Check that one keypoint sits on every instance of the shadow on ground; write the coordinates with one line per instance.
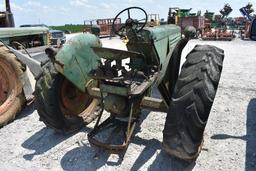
(86, 157)
(250, 137)
(44, 140)
(93, 158)
(162, 162)
(83, 158)
(26, 111)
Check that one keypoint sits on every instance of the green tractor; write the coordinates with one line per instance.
(85, 79)
(17, 38)
(15, 86)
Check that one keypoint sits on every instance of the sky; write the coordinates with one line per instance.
(60, 12)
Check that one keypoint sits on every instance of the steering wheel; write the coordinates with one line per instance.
(130, 23)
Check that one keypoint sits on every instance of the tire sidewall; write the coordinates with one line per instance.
(18, 99)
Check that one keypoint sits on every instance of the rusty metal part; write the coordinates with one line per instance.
(131, 82)
(115, 54)
(51, 53)
(126, 127)
(36, 43)
(73, 101)
(115, 104)
(151, 103)
(8, 86)
(21, 47)
(122, 91)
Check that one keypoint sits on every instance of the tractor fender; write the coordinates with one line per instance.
(76, 59)
(31, 68)
(172, 71)
(174, 64)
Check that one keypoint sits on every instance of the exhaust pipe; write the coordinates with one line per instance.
(9, 15)
(7, 6)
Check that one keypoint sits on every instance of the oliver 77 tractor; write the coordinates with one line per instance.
(84, 79)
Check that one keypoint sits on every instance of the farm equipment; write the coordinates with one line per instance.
(153, 20)
(216, 25)
(28, 37)
(17, 37)
(172, 17)
(6, 17)
(15, 87)
(249, 31)
(240, 23)
(91, 27)
(85, 79)
(102, 27)
(185, 19)
(56, 37)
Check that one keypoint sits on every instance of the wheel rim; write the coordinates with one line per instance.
(8, 86)
(73, 101)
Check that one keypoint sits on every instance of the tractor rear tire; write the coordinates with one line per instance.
(60, 105)
(192, 100)
(11, 85)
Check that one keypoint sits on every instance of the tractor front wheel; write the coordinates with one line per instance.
(192, 100)
(60, 104)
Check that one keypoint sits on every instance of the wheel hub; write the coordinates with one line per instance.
(73, 101)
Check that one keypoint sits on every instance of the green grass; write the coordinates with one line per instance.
(72, 28)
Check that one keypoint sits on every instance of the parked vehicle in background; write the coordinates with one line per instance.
(57, 35)
(27, 37)
(54, 35)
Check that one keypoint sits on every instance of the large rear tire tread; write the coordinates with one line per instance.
(192, 100)
(47, 103)
(19, 100)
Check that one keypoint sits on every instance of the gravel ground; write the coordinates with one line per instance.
(230, 136)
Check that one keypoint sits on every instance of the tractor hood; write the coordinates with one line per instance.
(24, 31)
(162, 32)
